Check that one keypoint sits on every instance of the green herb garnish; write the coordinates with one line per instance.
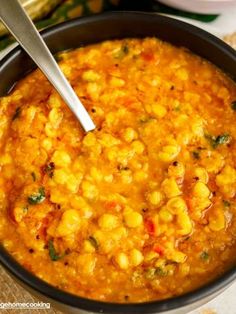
(177, 108)
(204, 256)
(17, 113)
(52, 252)
(161, 272)
(94, 242)
(215, 141)
(150, 273)
(153, 272)
(38, 197)
(226, 203)
(233, 105)
(124, 50)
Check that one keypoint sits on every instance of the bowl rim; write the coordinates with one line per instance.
(36, 284)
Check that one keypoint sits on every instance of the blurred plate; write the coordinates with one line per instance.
(201, 6)
(36, 10)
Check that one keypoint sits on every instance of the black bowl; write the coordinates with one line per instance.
(89, 30)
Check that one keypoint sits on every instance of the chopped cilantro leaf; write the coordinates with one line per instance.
(38, 197)
(226, 203)
(204, 256)
(215, 141)
(52, 252)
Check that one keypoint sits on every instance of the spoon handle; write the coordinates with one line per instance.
(22, 28)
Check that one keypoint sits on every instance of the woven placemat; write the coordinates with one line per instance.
(231, 40)
(10, 291)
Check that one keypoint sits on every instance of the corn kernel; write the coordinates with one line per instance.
(30, 113)
(170, 188)
(55, 117)
(130, 135)
(93, 90)
(108, 221)
(176, 170)
(69, 223)
(8, 171)
(213, 161)
(176, 205)
(89, 190)
(88, 247)
(90, 76)
(47, 144)
(184, 270)
(133, 219)
(112, 154)
(60, 176)
(182, 74)
(138, 147)
(122, 261)
(117, 82)
(217, 220)
(155, 197)
(50, 130)
(197, 128)
(89, 140)
(57, 197)
(177, 257)
(107, 140)
(185, 223)
(55, 100)
(5, 159)
(136, 257)
(201, 190)
(165, 215)
(19, 213)
(201, 174)
(61, 158)
(228, 190)
(126, 177)
(169, 153)
(140, 175)
(96, 174)
(159, 110)
(227, 176)
(73, 182)
(150, 256)
(86, 263)
(108, 178)
(78, 202)
(198, 206)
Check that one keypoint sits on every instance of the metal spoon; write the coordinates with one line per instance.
(22, 28)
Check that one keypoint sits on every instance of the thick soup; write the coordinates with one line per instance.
(144, 207)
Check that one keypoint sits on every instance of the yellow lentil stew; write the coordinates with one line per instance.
(141, 209)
